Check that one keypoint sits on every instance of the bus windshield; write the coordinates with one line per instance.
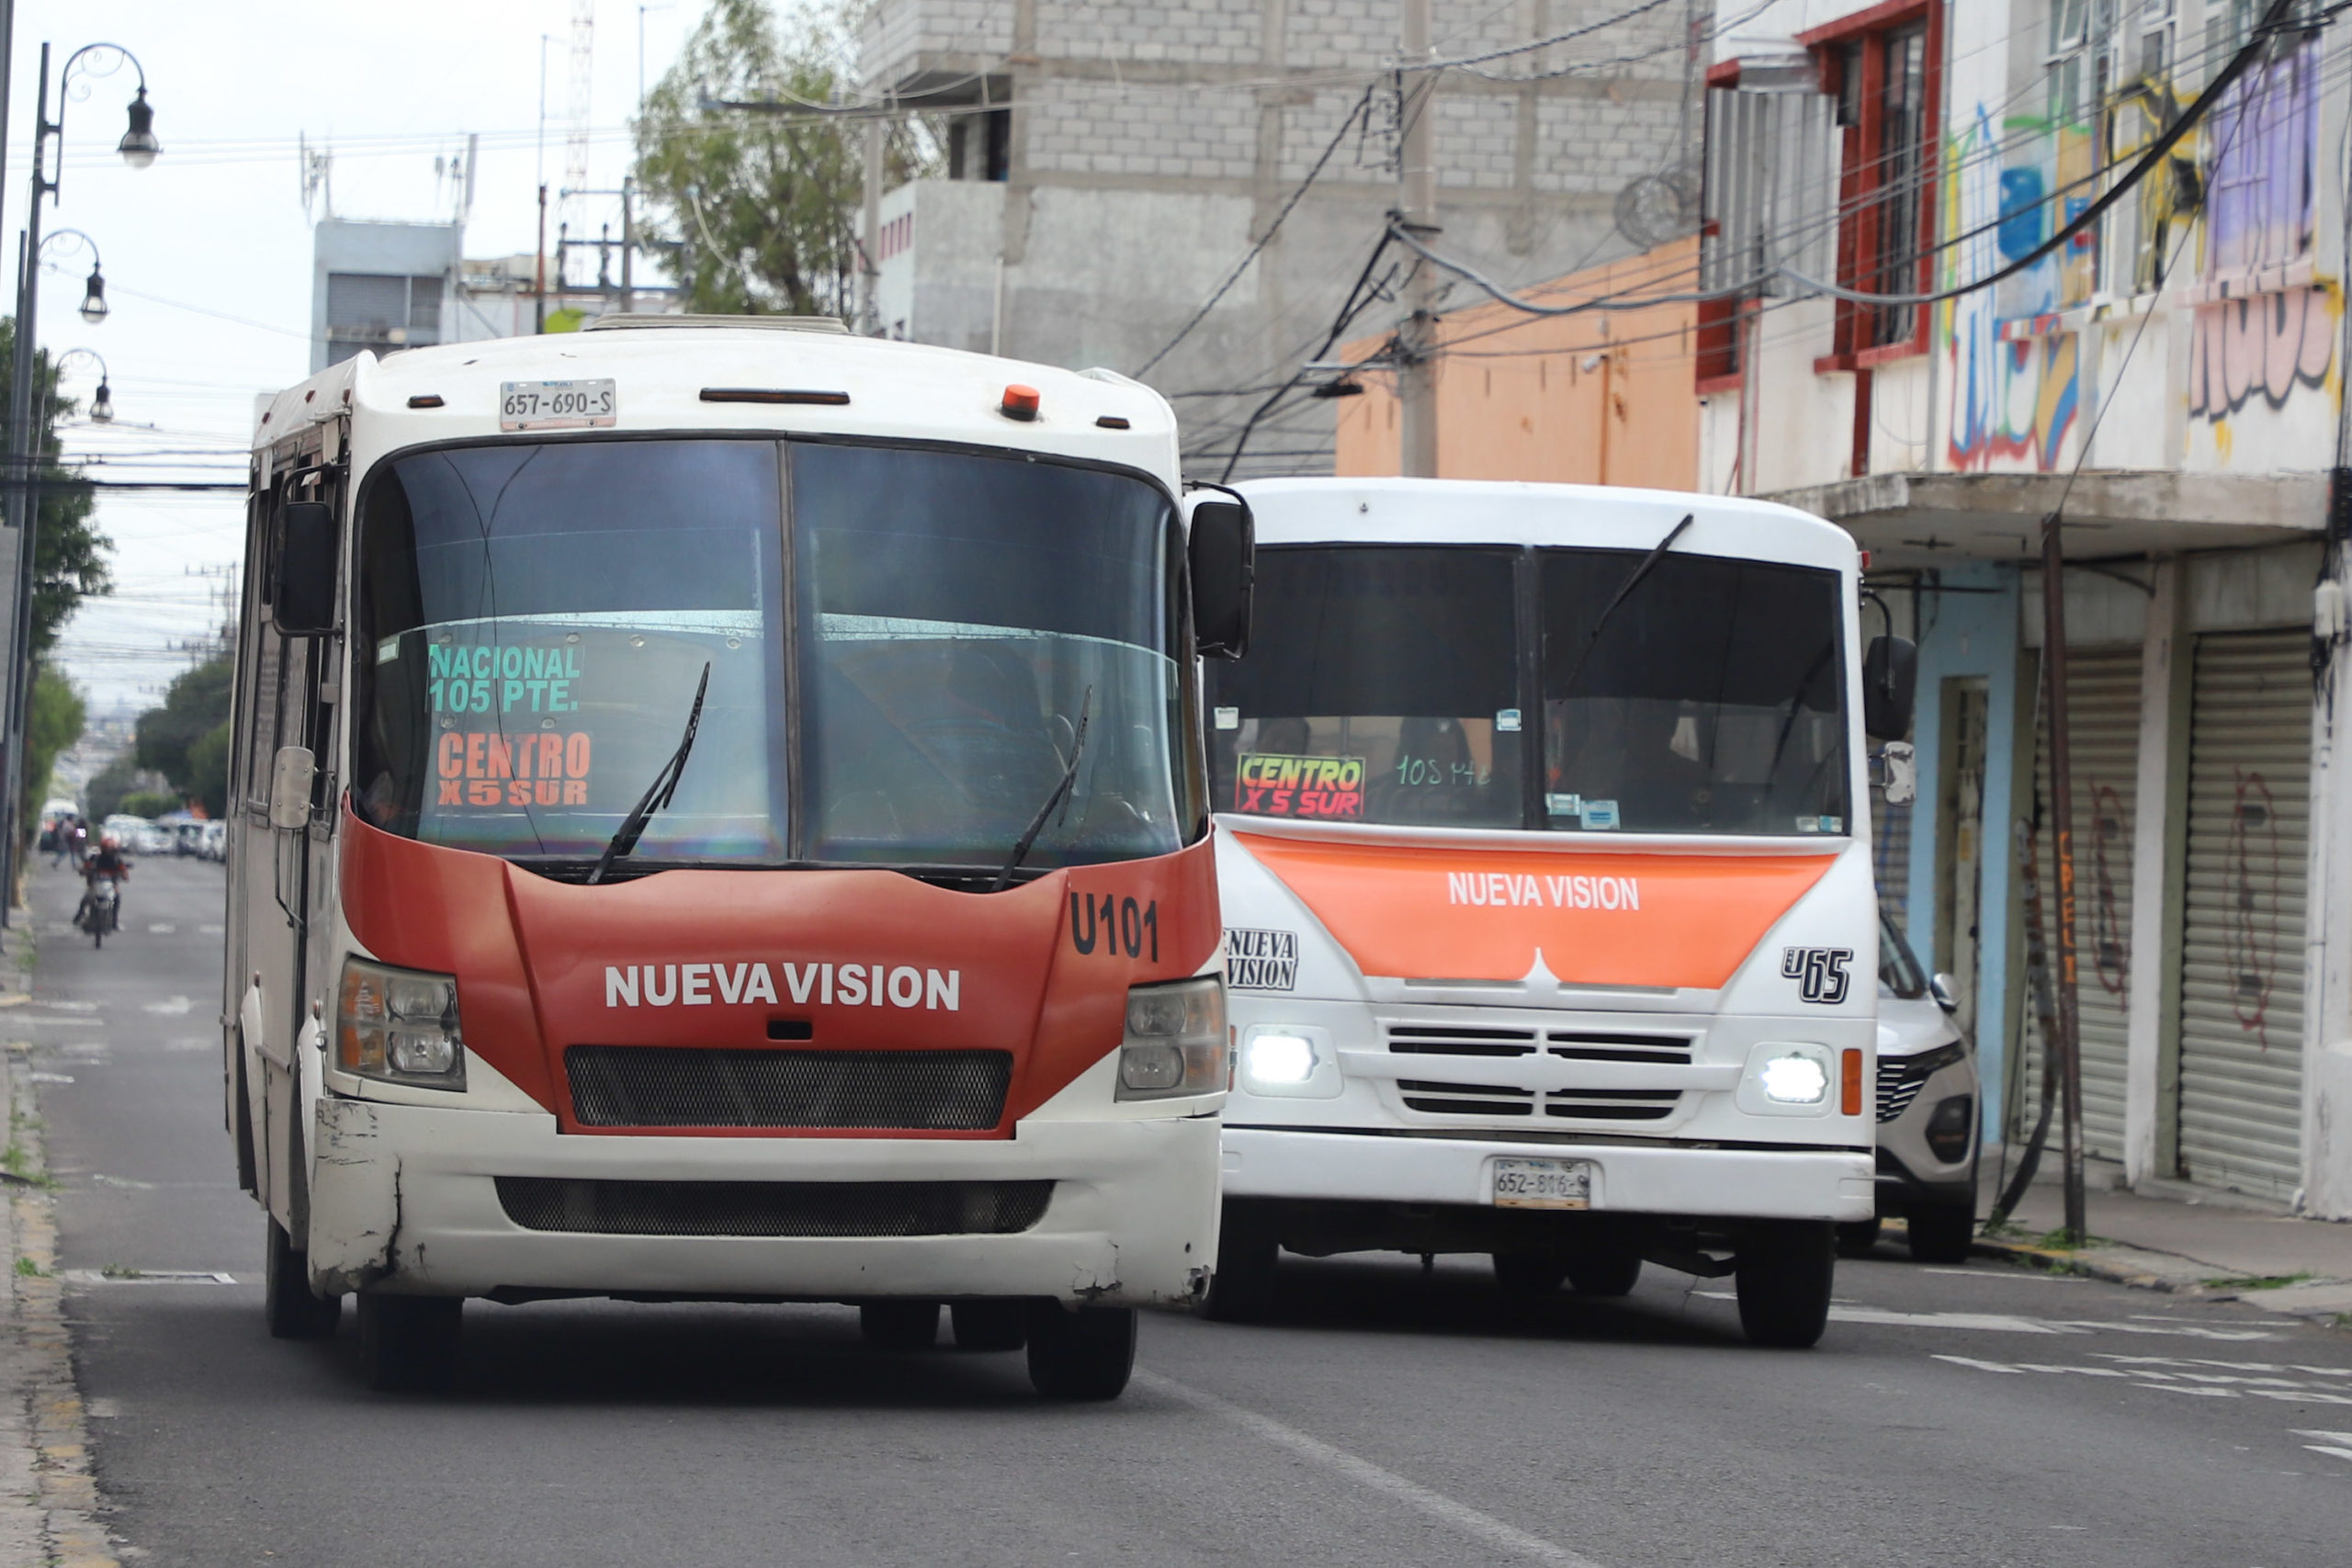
(1379, 688)
(902, 645)
(1395, 684)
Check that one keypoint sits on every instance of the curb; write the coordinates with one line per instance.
(2114, 1270)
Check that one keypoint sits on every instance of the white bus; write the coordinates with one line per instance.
(719, 812)
(1550, 924)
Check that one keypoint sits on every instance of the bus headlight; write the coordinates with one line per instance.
(1792, 1078)
(400, 1026)
(1175, 1042)
(1795, 1080)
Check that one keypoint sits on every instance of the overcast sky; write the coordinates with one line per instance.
(207, 252)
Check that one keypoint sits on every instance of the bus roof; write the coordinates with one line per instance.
(1489, 511)
(664, 368)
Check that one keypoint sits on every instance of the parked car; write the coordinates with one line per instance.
(1929, 1102)
(215, 842)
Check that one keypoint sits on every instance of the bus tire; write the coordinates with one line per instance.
(293, 1312)
(895, 1324)
(1785, 1276)
(1530, 1276)
(990, 1326)
(1942, 1233)
(1611, 1270)
(1083, 1354)
(409, 1343)
(1247, 1254)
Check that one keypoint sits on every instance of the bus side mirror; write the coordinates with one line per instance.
(1224, 569)
(303, 604)
(1890, 679)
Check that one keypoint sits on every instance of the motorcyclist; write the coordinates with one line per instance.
(110, 863)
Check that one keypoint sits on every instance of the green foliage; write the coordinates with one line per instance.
(763, 208)
(102, 796)
(53, 722)
(207, 766)
(150, 804)
(69, 555)
(195, 707)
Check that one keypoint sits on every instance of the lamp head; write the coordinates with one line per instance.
(93, 302)
(102, 406)
(139, 145)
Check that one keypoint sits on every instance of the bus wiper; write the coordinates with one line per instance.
(1059, 798)
(1633, 580)
(665, 785)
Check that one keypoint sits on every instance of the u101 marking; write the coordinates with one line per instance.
(1116, 925)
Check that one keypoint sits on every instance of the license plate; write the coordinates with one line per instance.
(1543, 1183)
(557, 405)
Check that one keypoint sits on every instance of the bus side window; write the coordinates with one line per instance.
(263, 665)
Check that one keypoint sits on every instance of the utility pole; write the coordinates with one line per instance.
(628, 244)
(1417, 204)
(869, 262)
(2061, 841)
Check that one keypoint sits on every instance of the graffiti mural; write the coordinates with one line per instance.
(2110, 856)
(2268, 347)
(2262, 158)
(2014, 392)
(2252, 928)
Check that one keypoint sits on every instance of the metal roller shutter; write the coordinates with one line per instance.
(2241, 965)
(2103, 714)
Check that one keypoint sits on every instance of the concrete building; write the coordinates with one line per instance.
(2170, 380)
(380, 287)
(1110, 164)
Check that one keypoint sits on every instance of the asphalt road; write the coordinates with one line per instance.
(1951, 1416)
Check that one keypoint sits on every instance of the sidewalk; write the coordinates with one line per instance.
(2216, 1246)
(48, 1500)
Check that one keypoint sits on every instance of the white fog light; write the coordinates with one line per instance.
(1280, 1058)
(1795, 1081)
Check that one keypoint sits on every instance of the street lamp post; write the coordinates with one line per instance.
(139, 148)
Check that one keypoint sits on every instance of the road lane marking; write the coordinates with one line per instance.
(2012, 1323)
(2173, 1378)
(163, 928)
(170, 1007)
(50, 1078)
(146, 1277)
(1470, 1521)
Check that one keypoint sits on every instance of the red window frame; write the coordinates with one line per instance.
(1864, 37)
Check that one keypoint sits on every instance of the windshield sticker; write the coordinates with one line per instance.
(387, 651)
(1261, 960)
(1273, 784)
(1228, 718)
(1601, 813)
(1564, 805)
(1833, 824)
(484, 769)
(504, 678)
(1506, 720)
(1808, 824)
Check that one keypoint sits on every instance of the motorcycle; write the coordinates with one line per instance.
(103, 910)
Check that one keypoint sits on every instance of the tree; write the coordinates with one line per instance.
(53, 722)
(69, 556)
(196, 708)
(102, 796)
(762, 208)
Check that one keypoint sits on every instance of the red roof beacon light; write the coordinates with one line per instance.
(1020, 402)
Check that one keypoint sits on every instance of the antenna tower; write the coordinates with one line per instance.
(583, 81)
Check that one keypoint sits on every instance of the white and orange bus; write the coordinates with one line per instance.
(1545, 852)
(720, 814)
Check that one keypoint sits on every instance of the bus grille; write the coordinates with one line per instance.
(773, 1208)
(654, 1086)
(1437, 1097)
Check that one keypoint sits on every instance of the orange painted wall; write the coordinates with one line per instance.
(1601, 397)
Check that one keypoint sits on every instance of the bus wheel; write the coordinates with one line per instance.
(1612, 1269)
(292, 1311)
(409, 1342)
(1085, 1354)
(1857, 1237)
(1247, 1252)
(899, 1324)
(1530, 1276)
(990, 1326)
(1784, 1275)
(1942, 1233)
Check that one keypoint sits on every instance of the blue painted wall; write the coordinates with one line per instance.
(1973, 634)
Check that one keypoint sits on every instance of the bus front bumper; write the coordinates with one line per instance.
(406, 1200)
(1741, 1183)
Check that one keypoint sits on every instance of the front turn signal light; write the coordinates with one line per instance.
(1849, 1083)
